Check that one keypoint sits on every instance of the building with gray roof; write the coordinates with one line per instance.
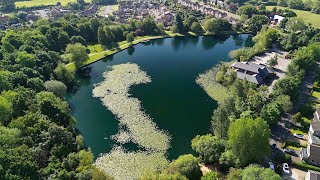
(255, 73)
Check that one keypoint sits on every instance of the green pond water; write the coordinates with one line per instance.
(173, 99)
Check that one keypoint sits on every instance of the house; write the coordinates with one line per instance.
(311, 154)
(316, 115)
(255, 73)
(4, 18)
(277, 19)
(312, 175)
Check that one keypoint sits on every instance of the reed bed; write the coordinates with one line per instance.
(138, 127)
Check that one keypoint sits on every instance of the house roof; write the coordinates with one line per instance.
(314, 175)
(315, 125)
(252, 78)
(314, 153)
(248, 66)
(258, 72)
(279, 18)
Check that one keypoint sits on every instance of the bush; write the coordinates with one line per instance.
(305, 166)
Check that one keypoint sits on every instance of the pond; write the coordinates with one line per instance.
(173, 100)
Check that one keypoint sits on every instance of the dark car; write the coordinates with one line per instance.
(289, 151)
(274, 147)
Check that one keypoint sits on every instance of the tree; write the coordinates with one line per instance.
(25, 59)
(208, 147)
(64, 74)
(9, 137)
(17, 163)
(221, 117)
(284, 102)
(77, 53)
(228, 160)
(295, 24)
(211, 25)
(297, 117)
(57, 87)
(7, 5)
(212, 175)
(273, 61)
(247, 10)
(5, 110)
(295, 4)
(256, 22)
(175, 29)
(234, 174)
(249, 139)
(196, 27)
(271, 113)
(162, 176)
(97, 174)
(179, 23)
(257, 172)
(102, 38)
(110, 36)
(4, 81)
(282, 3)
(186, 165)
(130, 38)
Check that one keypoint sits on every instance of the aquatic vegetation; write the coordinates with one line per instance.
(209, 84)
(136, 125)
(130, 165)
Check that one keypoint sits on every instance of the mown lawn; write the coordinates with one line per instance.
(43, 2)
(307, 16)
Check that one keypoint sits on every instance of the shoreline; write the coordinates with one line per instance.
(115, 50)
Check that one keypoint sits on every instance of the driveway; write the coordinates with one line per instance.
(279, 69)
(295, 174)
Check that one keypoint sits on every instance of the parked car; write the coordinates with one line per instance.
(299, 136)
(289, 151)
(274, 147)
(285, 168)
(271, 165)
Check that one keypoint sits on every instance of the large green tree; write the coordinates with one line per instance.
(186, 165)
(249, 139)
(77, 53)
(208, 147)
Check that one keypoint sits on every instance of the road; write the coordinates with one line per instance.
(295, 174)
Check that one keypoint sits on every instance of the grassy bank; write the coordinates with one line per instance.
(307, 16)
(208, 82)
(33, 3)
(98, 53)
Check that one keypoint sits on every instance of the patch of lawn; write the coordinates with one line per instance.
(95, 48)
(115, 7)
(316, 94)
(297, 131)
(307, 16)
(32, 3)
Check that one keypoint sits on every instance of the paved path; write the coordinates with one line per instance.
(295, 174)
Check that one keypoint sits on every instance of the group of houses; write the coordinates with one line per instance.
(142, 8)
(207, 10)
(311, 154)
(230, 7)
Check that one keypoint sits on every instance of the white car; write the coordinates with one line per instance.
(285, 168)
(299, 136)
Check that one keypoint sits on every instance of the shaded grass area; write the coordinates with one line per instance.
(307, 16)
(32, 3)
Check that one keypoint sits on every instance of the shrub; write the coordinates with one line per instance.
(305, 166)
